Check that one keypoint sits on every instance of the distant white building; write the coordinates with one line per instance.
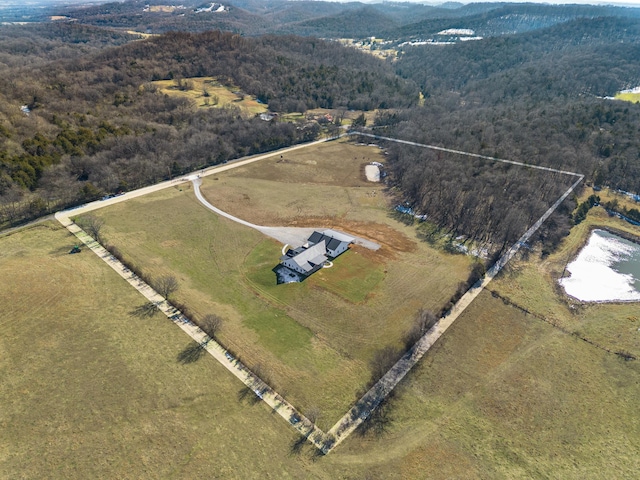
(213, 7)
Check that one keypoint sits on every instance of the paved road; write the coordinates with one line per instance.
(26, 225)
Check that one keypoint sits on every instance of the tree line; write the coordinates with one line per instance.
(535, 98)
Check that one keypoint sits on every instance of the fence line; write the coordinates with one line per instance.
(363, 408)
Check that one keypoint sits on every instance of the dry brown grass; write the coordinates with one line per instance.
(162, 8)
(608, 195)
(321, 186)
(533, 285)
(89, 391)
(315, 338)
(504, 395)
(220, 95)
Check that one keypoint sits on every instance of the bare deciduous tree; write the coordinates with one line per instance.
(166, 285)
(382, 361)
(424, 320)
(313, 414)
(146, 310)
(92, 225)
(211, 324)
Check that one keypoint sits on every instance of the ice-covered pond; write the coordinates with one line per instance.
(607, 269)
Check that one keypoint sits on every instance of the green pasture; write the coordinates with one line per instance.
(314, 343)
(628, 97)
(352, 277)
(90, 390)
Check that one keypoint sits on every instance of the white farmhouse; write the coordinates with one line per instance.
(320, 247)
(305, 260)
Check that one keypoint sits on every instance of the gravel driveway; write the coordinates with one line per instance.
(293, 236)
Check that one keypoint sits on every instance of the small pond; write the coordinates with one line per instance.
(607, 269)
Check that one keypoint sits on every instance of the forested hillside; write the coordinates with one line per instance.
(95, 124)
(289, 73)
(534, 97)
(584, 56)
(392, 21)
(362, 22)
(532, 91)
(505, 19)
(41, 43)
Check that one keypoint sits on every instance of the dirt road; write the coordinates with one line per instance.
(88, 207)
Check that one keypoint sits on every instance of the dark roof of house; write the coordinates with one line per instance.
(338, 236)
(311, 257)
(332, 238)
(315, 237)
(333, 244)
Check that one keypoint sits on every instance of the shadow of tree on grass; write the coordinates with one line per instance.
(146, 310)
(298, 443)
(192, 353)
(247, 394)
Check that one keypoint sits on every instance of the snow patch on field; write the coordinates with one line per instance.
(631, 90)
(456, 31)
(372, 172)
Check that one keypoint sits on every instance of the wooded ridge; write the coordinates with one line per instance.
(95, 123)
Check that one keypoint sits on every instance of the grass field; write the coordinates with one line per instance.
(608, 195)
(507, 396)
(219, 95)
(628, 97)
(90, 391)
(314, 340)
(533, 285)
(321, 184)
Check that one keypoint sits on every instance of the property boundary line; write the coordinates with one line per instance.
(381, 389)
(260, 388)
(363, 408)
(467, 154)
